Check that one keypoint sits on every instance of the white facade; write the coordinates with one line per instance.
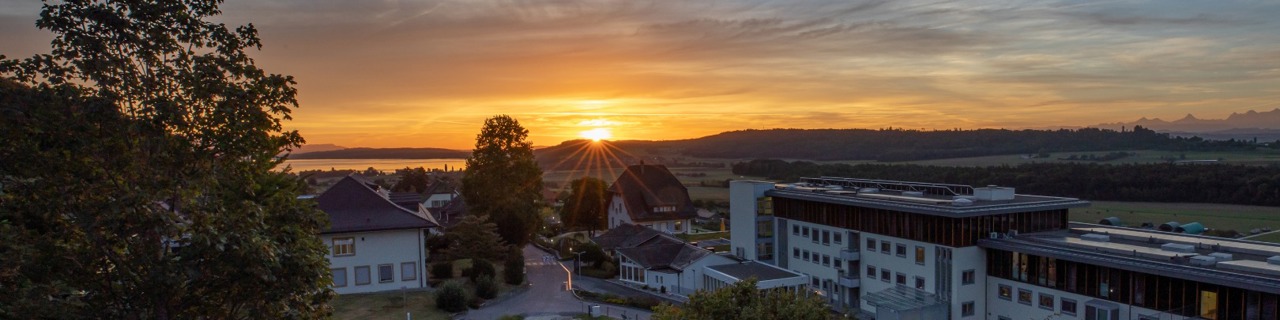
(362, 267)
(438, 200)
(683, 282)
(618, 215)
(742, 213)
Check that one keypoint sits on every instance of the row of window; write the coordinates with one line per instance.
(815, 258)
(826, 237)
(967, 277)
(1045, 301)
(885, 245)
(386, 273)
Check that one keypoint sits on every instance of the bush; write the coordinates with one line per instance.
(451, 297)
(591, 253)
(442, 270)
(475, 302)
(513, 267)
(480, 267)
(486, 287)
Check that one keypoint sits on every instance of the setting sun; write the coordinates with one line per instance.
(597, 134)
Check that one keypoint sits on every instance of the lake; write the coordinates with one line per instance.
(387, 165)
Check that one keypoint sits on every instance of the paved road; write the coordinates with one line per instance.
(546, 297)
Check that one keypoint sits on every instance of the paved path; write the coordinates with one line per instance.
(546, 297)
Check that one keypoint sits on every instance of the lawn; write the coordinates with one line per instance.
(1215, 216)
(388, 305)
(1270, 237)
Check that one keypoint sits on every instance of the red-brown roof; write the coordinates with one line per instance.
(644, 187)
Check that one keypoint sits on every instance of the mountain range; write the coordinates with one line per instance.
(1251, 121)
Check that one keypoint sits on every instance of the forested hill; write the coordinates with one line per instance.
(384, 153)
(886, 145)
(910, 145)
(1164, 182)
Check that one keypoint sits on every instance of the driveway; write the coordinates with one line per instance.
(546, 298)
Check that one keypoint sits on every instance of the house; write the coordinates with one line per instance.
(374, 243)
(649, 195)
(647, 257)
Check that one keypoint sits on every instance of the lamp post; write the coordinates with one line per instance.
(577, 262)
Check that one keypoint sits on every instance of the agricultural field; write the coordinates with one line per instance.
(1214, 216)
(1143, 156)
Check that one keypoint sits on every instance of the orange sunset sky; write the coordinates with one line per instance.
(427, 73)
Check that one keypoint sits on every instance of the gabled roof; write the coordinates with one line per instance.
(355, 204)
(630, 235)
(665, 255)
(644, 187)
(453, 212)
(407, 200)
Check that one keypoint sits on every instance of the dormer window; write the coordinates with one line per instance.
(664, 209)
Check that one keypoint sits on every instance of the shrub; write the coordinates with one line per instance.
(486, 287)
(442, 270)
(475, 302)
(513, 267)
(451, 297)
(480, 267)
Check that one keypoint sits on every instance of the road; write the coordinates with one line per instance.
(545, 298)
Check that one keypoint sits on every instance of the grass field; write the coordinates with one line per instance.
(1215, 216)
(1270, 237)
(388, 305)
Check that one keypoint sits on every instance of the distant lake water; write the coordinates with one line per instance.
(379, 164)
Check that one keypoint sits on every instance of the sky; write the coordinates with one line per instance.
(427, 73)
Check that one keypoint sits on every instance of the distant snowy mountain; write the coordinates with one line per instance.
(1251, 122)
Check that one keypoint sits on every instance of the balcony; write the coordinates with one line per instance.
(849, 255)
(849, 279)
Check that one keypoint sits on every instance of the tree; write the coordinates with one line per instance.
(412, 180)
(513, 267)
(138, 179)
(502, 181)
(585, 207)
(743, 300)
(474, 238)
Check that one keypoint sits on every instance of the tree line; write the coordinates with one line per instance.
(1164, 182)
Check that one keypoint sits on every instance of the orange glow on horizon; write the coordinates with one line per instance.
(597, 134)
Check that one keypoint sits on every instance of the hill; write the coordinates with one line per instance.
(385, 153)
(1266, 121)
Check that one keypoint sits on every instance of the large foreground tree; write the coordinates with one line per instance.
(502, 181)
(744, 301)
(137, 177)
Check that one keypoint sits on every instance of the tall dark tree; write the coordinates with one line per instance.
(585, 209)
(474, 238)
(137, 179)
(502, 181)
(412, 180)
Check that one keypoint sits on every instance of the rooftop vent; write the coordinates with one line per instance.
(1222, 256)
(1169, 226)
(993, 193)
(1203, 261)
(1096, 237)
(1274, 260)
(1178, 247)
(962, 202)
(1110, 221)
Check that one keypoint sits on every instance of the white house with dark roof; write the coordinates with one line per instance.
(374, 244)
(649, 195)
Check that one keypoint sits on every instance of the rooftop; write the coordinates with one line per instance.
(1238, 263)
(644, 187)
(950, 200)
(761, 271)
(354, 204)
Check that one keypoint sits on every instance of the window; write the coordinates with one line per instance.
(680, 226)
(826, 260)
(885, 276)
(344, 246)
(967, 277)
(826, 237)
(795, 253)
(814, 281)
(902, 279)
(386, 273)
(836, 262)
(815, 235)
(806, 231)
(339, 277)
(871, 272)
(920, 283)
(837, 236)
(884, 247)
(1068, 307)
(362, 275)
(795, 230)
(967, 309)
(408, 271)
(902, 250)
(1003, 318)
(920, 255)
(1006, 292)
(806, 255)
(1046, 301)
(871, 244)
(1024, 296)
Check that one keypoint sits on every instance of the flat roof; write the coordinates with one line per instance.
(749, 269)
(931, 204)
(1141, 250)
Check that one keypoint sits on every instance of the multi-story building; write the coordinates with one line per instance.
(894, 250)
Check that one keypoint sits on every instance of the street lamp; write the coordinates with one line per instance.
(577, 262)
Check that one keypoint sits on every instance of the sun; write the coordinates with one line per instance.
(597, 134)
